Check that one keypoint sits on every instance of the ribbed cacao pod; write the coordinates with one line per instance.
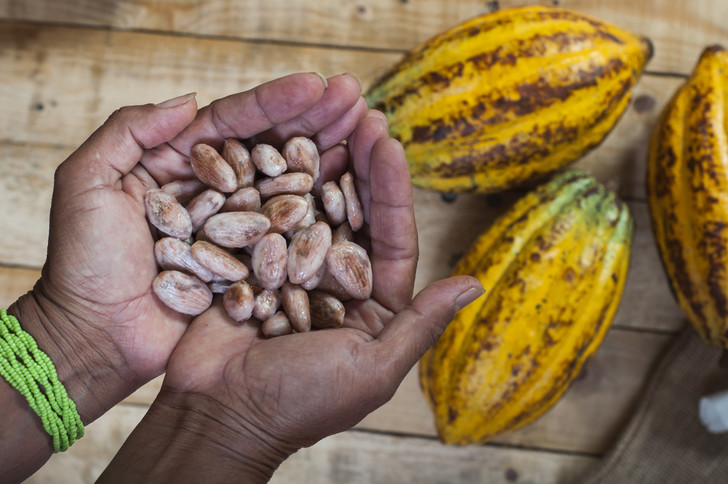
(553, 268)
(687, 186)
(508, 97)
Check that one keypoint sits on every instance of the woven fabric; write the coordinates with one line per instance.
(665, 442)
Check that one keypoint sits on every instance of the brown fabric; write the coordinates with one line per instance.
(665, 442)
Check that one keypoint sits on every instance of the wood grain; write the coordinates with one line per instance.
(679, 30)
(26, 187)
(621, 157)
(372, 24)
(353, 457)
(14, 282)
(61, 83)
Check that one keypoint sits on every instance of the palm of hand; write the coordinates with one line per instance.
(101, 262)
(303, 386)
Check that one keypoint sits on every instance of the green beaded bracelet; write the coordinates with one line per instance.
(29, 370)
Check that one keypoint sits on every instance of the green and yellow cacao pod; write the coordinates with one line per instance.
(553, 268)
(687, 186)
(508, 97)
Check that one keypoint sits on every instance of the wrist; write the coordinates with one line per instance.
(190, 437)
(87, 363)
(90, 378)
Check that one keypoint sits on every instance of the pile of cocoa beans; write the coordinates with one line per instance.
(250, 227)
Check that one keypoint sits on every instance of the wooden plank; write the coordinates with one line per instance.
(353, 457)
(679, 30)
(26, 187)
(55, 93)
(378, 24)
(14, 282)
(586, 419)
(647, 301)
(622, 156)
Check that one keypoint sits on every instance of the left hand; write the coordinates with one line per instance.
(95, 295)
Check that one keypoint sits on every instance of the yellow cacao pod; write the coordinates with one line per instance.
(553, 268)
(508, 97)
(687, 186)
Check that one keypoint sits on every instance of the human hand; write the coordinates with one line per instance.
(93, 310)
(234, 404)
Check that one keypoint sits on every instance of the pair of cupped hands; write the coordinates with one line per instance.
(229, 394)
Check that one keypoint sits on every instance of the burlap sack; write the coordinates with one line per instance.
(665, 442)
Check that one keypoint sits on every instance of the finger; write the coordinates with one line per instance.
(367, 316)
(137, 182)
(166, 164)
(246, 114)
(341, 128)
(117, 146)
(242, 115)
(392, 228)
(358, 141)
(371, 129)
(334, 154)
(334, 163)
(415, 329)
(342, 95)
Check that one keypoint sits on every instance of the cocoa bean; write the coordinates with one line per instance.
(184, 293)
(350, 266)
(212, 169)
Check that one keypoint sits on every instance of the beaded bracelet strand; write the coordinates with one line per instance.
(29, 370)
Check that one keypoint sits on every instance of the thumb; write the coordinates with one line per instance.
(117, 146)
(420, 324)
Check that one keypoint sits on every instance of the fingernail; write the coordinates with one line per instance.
(361, 85)
(177, 101)
(376, 114)
(323, 79)
(467, 297)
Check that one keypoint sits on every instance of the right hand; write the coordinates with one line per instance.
(236, 404)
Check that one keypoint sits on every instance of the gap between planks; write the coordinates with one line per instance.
(202, 36)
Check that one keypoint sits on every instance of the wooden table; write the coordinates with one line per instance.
(65, 66)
